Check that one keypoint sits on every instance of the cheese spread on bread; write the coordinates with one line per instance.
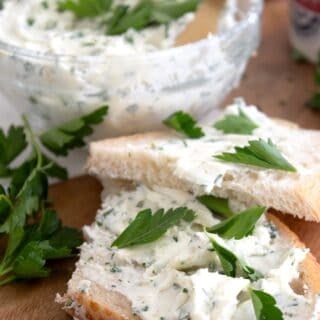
(179, 276)
(169, 159)
(196, 162)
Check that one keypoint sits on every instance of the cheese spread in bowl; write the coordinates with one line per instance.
(55, 66)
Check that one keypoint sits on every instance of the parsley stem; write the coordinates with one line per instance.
(7, 200)
(7, 280)
(33, 141)
(4, 270)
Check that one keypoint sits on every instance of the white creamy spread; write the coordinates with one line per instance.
(179, 276)
(193, 159)
(38, 25)
(142, 83)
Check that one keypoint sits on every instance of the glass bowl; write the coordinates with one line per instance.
(140, 90)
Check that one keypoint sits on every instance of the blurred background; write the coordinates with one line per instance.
(276, 80)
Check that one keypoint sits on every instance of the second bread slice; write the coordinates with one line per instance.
(167, 159)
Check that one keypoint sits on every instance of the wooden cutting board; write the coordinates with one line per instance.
(273, 82)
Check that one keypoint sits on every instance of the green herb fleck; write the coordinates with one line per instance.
(30, 21)
(45, 4)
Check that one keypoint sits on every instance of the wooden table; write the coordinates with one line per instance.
(273, 82)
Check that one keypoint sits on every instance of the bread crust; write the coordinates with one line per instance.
(100, 304)
(309, 268)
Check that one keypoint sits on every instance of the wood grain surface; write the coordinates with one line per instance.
(273, 82)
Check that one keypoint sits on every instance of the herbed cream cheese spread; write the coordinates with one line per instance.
(194, 160)
(64, 66)
(179, 276)
(38, 25)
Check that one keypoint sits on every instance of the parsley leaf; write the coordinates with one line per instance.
(148, 13)
(236, 124)
(136, 18)
(85, 8)
(174, 9)
(5, 205)
(4, 170)
(70, 135)
(53, 169)
(122, 18)
(232, 265)
(185, 124)
(218, 206)
(238, 226)
(11, 145)
(264, 305)
(27, 201)
(298, 57)
(148, 227)
(258, 153)
(30, 263)
(317, 73)
(314, 101)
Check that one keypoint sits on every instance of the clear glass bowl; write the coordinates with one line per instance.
(141, 90)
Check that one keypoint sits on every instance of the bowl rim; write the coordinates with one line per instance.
(250, 16)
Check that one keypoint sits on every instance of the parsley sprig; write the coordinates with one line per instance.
(259, 153)
(148, 227)
(28, 225)
(32, 245)
(148, 13)
(236, 123)
(183, 123)
(121, 17)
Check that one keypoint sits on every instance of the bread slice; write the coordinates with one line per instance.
(102, 304)
(89, 296)
(167, 159)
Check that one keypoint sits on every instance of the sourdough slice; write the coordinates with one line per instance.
(167, 159)
(94, 292)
